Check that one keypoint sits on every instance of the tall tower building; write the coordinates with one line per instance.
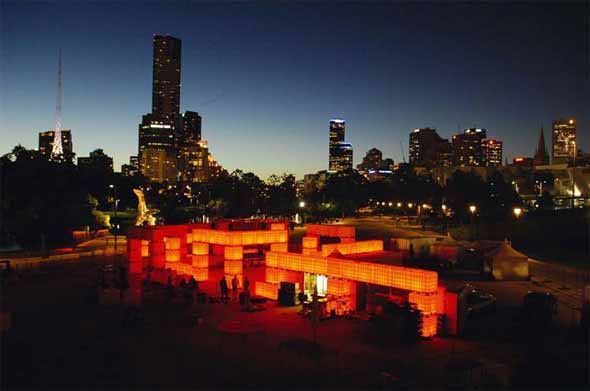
(57, 148)
(541, 158)
(191, 127)
(340, 153)
(492, 150)
(427, 148)
(158, 130)
(166, 79)
(468, 148)
(563, 148)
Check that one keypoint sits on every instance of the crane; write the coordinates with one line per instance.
(401, 144)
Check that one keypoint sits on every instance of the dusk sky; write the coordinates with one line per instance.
(267, 78)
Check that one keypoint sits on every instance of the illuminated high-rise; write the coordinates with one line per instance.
(340, 152)
(157, 150)
(158, 130)
(563, 139)
(166, 79)
(492, 150)
(468, 148)
(428, 149)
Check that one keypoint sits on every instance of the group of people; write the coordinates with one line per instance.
(235, 285)
(188, 290)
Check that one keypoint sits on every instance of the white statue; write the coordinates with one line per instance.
(144, 215)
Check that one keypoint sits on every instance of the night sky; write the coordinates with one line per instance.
(267, 78)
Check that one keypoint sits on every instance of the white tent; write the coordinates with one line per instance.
(505, 262)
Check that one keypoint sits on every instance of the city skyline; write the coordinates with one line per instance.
(245, 125)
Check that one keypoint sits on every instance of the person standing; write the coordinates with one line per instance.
(224, 289)
(247, 285)
(234, 288)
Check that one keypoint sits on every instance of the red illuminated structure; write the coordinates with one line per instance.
(190, 249)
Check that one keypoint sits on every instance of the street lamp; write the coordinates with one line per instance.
(517, 212)
(399, 204)
(301, 206)
(115, 207)
(410, 204)
(472, 209)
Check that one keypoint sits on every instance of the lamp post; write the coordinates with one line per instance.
(574, 177)
(444, 216)
(115, 207)
(301, 206)
(517, 211)
(472, 209)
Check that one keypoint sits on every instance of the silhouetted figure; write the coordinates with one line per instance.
(234, 288)
(411, 252)
(192, 285)
(169, 289)
(247, 285)
(302, 297)
(224, 289)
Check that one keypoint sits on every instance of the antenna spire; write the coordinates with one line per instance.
(57, 145)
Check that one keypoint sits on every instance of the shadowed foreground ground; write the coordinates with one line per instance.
(57, 340)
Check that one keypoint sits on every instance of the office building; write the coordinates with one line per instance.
(563, 149)
(190, 129)
(428, 149)
(373, 160)
(157, 150)
(468, 148)
(340, 152)
(166, 79)
(193, 161)
(492, 150)
(97, 161)
(46, 144)
(374, 167)
(132, 168)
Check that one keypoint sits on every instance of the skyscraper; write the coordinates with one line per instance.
(340, 153)
(166, 79)
(158, 130)
(427, 148)
(468, 149)
(563, 149)
(492, 150)
(191, 127)
(541, 158)
(157, 150)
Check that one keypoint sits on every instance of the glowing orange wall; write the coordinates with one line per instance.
(341, 231)
(365, 246)
(239, 238)
(416, 280)
(266, 289)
